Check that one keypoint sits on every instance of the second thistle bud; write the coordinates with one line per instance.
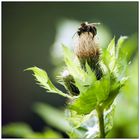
(69, 83)
(87, 48)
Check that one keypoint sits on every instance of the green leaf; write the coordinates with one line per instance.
(114, 91)
(129, 120)
(89, 124)
(44, 81)
(49, 133)
(111, 47)
(121, 56)
(95, 94)
(129, 47)
(108, 118)
(120, 45)
(111, 51)
(18, 130)
(22, 130)
(56, 118)
(115, 58)
(52, 116)
(103, 88)
(67, 51)
(85, 103)
(108, 56)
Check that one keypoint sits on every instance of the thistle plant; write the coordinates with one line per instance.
(92, 78)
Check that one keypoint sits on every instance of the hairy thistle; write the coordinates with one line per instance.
(87, 49)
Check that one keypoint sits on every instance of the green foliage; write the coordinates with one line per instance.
(81, 115)
(52, 116)
(130, 47)
(56, 118)
(127, 106)
(88, 124)
(92, 96)
(98, 91)
(24, 130)
(44, 81)
(18, 129)
(93, 92)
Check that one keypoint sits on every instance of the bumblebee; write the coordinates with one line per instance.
(85, 27)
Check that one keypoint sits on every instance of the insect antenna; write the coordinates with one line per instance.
(74, 34)
(96, 23)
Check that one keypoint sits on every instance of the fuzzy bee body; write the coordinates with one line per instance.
(87, 48)
(85, 27)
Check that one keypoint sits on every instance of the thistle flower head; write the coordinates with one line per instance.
(87, 48)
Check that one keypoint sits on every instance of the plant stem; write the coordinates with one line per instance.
(100, 112)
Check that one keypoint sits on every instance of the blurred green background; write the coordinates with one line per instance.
(32, 33)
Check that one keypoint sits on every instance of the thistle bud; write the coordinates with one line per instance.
(87, 48)
(69, 83)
